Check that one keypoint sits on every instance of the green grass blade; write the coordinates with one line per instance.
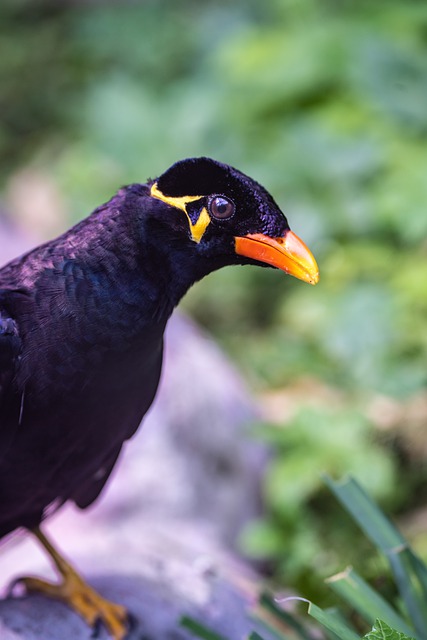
(338, 615)
(367, 514)
(332, 623)
(255, 636)
(420, 571)
(365, 600)
(402, 567)
(198, 629)
(390, 541)
(267, 602)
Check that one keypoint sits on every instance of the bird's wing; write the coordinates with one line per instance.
(10, 342)
(10, 348)
(87, 493)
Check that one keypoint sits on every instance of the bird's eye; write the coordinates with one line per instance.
(221, 207)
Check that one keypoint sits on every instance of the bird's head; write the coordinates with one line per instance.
(228, 218)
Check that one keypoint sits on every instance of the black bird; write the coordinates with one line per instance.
(82, 319)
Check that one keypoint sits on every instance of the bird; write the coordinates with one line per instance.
(82, 319)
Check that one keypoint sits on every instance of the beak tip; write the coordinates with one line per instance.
(314, 278)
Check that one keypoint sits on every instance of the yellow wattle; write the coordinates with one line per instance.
(198, 229)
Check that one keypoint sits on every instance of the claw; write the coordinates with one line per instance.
(96, 628)
(74, 591)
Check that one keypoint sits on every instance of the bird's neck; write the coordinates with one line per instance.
(129, 281)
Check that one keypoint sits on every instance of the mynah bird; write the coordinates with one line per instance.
(82, 319)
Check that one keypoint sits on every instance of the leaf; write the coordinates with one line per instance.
(381, 631)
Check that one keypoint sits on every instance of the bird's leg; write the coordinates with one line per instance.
(74, 591)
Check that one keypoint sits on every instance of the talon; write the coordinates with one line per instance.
(74, 592)
(96, 628)
(132, 622)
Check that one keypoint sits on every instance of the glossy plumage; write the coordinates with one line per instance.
(82, 320)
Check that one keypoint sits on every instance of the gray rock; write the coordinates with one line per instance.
(157, 590)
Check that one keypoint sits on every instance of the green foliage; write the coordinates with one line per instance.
(406, 615)
(409, 571)
(303, 535)
(381, 631)
(402, 617)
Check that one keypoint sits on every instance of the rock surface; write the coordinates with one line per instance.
(158, 578)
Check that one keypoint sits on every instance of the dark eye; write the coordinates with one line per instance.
(221, 207)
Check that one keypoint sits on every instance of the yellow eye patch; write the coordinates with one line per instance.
(198, 228)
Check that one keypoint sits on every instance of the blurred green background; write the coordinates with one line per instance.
(325, 103)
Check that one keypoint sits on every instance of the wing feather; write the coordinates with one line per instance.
(10, 349)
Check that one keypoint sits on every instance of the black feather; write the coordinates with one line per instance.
(82, 319)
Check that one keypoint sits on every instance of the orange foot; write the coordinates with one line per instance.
(74, 592)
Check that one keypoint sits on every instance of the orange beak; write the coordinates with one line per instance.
(288, 253)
